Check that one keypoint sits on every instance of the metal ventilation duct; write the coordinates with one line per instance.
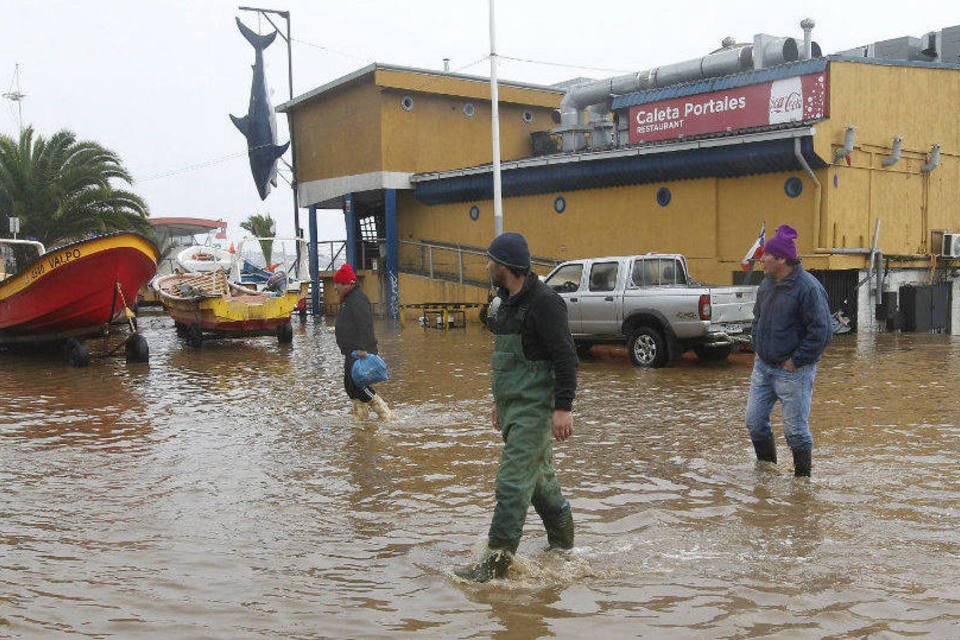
(595, 97)
(933, 46)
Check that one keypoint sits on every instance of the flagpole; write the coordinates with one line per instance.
(495, 122)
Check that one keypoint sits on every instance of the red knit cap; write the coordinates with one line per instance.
(345, 275)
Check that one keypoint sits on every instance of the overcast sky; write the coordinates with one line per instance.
(155, 81)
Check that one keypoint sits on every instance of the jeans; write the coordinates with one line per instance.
(794, 390)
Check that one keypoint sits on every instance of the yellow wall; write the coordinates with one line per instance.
(711, 221)
(883, 101)
(436, 135)
(338, 133)
(359, 127)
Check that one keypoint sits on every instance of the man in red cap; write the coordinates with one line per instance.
(354, 330)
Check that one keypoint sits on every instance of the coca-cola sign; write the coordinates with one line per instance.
(795, 99)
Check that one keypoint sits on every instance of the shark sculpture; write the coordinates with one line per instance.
(259, 126)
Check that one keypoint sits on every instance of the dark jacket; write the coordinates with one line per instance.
(354, 323)
(539, 315)
(791, 319)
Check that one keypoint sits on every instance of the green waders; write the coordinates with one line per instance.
(523, 392)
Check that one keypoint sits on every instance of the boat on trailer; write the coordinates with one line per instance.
(75, 292)
(209, 305)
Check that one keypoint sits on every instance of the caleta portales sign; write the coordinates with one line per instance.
(793, 99)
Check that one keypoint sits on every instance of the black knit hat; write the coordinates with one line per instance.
(510, 249)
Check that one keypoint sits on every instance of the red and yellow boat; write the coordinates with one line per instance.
(208, 304)
(72, 291)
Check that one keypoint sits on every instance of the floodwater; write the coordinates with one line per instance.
(227, 493)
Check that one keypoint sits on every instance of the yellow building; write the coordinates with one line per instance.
(860, 155)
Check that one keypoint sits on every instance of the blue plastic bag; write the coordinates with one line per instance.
(369, 370)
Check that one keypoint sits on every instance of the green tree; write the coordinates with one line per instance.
(61, 188)
(262, 227)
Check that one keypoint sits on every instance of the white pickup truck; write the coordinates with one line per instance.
(651, 302)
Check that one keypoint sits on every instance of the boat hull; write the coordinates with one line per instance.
(74, 289)
(234, 316)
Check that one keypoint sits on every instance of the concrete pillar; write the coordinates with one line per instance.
(350, 222)
(392, 273)
(314, 266)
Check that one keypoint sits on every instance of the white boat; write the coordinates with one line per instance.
(204, 259)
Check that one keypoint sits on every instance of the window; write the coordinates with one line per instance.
(603, 276)
(566, 279)
(649, 272)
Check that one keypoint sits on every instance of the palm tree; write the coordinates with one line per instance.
(61, 189)
(262, 227)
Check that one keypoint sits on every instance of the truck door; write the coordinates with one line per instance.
(600, 310)
(566, 281)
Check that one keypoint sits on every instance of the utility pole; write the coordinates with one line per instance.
(15, 95)
(293, 156)
(495, 119)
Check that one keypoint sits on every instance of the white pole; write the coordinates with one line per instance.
(495, 120)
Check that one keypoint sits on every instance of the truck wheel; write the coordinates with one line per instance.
(712, 354)
(647, 348)
(583, 349)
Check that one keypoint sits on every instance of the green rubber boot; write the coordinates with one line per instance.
(493, 564)
(560, 531)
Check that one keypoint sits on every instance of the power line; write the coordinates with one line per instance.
(566, 66)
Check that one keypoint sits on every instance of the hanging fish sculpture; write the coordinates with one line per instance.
(259, 126)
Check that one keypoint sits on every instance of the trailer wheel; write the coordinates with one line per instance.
(647, 348)
(77, 353)
(284, 333)
(137, 349)
(194, 335)
(181, 329)
(712, 354)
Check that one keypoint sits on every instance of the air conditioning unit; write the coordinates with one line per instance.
(951, 245)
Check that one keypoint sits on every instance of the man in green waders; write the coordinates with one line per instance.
(534, 382)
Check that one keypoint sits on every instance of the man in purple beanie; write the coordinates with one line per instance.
(791, 328)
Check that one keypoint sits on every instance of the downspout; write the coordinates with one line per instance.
(926, 170)
(894, 157)
(934, 159)
(818, 197)
(848, 139)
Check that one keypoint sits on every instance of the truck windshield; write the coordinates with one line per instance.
(566, 279)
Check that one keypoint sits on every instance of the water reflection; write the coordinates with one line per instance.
(228, 492)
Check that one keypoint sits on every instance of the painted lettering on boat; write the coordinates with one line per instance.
(34, 273)
(53, 262)
(64, 257)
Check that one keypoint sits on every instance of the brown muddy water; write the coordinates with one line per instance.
(227, 493)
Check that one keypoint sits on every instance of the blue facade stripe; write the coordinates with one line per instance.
(814, 65)
(731, 161)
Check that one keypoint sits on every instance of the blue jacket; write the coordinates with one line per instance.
(791, 319)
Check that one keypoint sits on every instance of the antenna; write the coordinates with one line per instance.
(15, 95)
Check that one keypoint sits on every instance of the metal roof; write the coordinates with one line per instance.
(728, 157)
(743, 79)
(378, 66)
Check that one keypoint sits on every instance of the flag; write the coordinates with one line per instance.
(755, 251)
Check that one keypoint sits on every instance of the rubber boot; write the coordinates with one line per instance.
(381, 408)
(361, 410)
(766, 450)
(802, 462)
(492, 564)
(560, 531)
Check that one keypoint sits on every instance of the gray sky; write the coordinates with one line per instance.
(155, 81)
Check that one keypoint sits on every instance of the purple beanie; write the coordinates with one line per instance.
(783, 244)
